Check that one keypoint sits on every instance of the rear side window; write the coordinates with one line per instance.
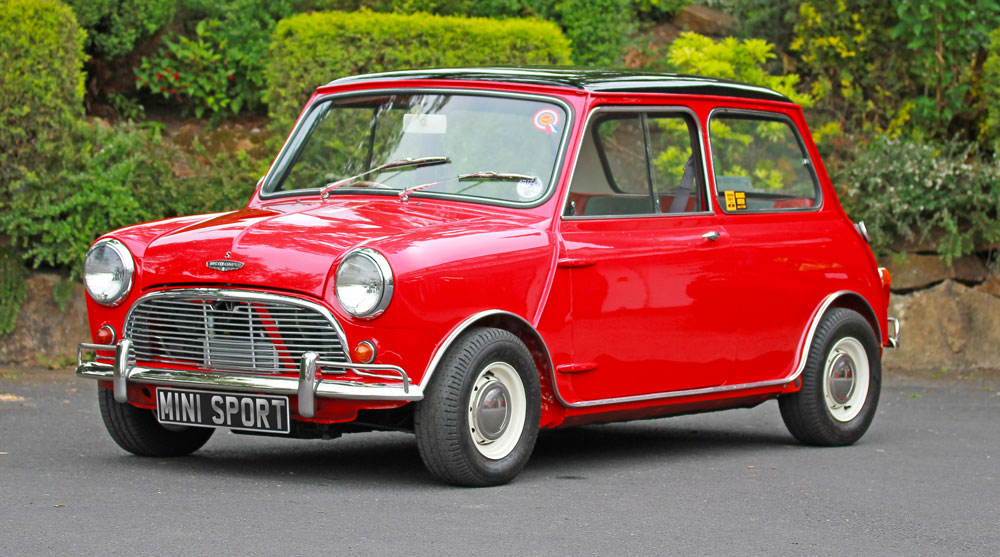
(761, 164)
(638, 163)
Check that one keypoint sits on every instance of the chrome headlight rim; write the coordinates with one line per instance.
(382, 265)
(128, 265)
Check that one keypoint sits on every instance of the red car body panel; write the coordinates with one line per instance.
(630, 318)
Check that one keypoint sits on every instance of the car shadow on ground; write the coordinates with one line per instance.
(392, 459)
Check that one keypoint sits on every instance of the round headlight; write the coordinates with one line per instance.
(107, 272)
(364, 283)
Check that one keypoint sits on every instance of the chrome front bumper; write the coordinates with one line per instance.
(310, 383)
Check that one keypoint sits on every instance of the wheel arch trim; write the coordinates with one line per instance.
(474, 320)
(826, 304)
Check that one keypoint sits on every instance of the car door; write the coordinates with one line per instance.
(648, 263)
(786, 257)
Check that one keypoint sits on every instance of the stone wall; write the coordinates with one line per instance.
(45, 334)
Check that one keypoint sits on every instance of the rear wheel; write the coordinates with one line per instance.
(479, 419)
(137, 431)
(840, 383)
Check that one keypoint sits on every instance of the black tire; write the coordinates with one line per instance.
(137, 431)
(822, 413)
(478, 373)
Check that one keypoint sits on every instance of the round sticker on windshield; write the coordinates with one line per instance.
(529, 189)
(546, 120)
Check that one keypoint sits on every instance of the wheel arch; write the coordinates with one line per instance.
(846, 299)
(505, 320)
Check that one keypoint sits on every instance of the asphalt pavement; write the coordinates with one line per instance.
(923, 481)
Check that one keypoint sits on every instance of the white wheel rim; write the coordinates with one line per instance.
(846, 377)
(497, 407)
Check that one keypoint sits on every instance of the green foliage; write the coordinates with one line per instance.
(907, 188)
(122, 176)
(597, 28)
(12, 288)
(942, 39)
(114, 26)
(989, 131)
(731, 58)
(219, 67)
(658, 10)
(41, 89)
(311, 49)
(771, 20)
(845, 49)
(119, 178)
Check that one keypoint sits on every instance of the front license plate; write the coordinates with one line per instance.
(213, 409)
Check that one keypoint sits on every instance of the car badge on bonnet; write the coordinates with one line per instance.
(224, 264)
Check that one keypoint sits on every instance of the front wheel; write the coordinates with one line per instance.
(479, 420)
(840, 383)
(137, 431)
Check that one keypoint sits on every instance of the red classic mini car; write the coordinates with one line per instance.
(475, 254)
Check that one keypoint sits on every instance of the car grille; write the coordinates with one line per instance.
(230, 333)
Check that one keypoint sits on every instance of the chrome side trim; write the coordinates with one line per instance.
(240, 382)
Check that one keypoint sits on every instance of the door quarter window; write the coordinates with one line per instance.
(638, 163)
(761, 164)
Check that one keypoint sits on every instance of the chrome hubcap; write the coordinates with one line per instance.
(496, 410)
(841, 378)
(492, 410)
(846, 378)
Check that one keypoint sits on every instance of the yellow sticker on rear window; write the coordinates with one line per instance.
(736, 200)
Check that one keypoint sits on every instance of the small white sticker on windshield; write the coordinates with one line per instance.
(425, 123)
(529, 189)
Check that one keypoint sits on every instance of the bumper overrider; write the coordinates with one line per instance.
(309, 384)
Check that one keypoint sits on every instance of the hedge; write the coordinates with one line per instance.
(114, 26)
(41, 87)
(308, 50)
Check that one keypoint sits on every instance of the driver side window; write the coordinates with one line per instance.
(637, 163)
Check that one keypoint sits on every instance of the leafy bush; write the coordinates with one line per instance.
(12, 288)
(41, 89)
(942, 39)
(120, 177)
(311, 49)
(907, 189)
(989, 132)
(219, 66)
(731, 58)
(114, 26)
(771, 20)
(597, 28)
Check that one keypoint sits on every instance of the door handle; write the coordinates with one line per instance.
(711, 236)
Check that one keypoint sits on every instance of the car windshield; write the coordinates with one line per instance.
(451, 145)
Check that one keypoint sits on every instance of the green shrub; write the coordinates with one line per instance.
(41, 89)
(309, 50)
(218, 67)
(771, 20)
(598, 29)
(114, 26)
(906, 189)
(121, 176)
(12, 288)
(731, 58)
(989, 131)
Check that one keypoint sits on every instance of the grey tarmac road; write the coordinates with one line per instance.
(923, 481)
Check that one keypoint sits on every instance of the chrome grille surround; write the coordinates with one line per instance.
(232, 330)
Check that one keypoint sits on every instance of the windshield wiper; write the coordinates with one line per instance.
(401, 163)
(488, 175)
(484, 176)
